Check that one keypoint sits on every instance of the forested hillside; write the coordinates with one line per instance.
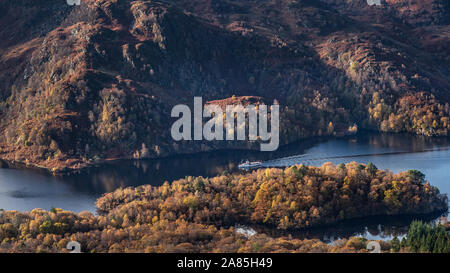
(81, 84)
(198, 214)
(295, 197)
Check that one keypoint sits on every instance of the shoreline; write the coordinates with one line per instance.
(273, 199)
(85, 166)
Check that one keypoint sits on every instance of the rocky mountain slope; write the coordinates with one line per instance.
(81, 84)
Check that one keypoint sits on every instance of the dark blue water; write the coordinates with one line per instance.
(25, 190)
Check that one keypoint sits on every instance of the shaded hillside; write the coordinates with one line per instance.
(97, 81)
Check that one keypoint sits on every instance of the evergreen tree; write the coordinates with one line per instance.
(430, 238)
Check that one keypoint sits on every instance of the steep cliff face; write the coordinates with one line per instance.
(80, 84)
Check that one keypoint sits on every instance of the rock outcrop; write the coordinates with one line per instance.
(83, 84)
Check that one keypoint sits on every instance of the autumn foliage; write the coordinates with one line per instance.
(198, 214)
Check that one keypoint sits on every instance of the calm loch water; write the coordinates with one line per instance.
(25, 190)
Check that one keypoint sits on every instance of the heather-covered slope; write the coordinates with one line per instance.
(97, 81)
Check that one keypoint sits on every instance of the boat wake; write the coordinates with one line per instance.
(307, 159)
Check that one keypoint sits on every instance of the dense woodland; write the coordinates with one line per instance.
(198, 214)
(87, 83)
(294, 197)
(83, 84)
(423, 237)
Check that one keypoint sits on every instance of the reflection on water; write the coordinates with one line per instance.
(387, 151)
(372, 228)
(25, 190)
